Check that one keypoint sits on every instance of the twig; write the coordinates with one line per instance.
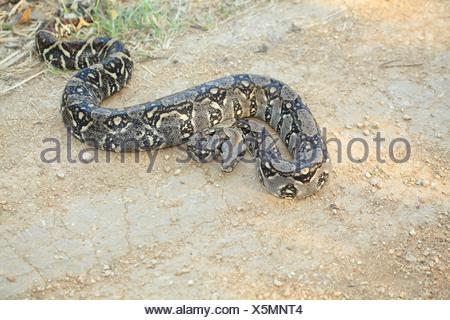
(10, 59)
(14, 57)
(15, 8)
(148, 70)
(324, 21)
(11, 39)
(18, 84)
(389, 65)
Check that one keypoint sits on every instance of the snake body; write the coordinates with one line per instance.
(194, 116)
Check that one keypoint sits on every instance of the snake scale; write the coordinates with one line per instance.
(196, 116)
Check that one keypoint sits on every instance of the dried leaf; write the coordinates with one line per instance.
(26, 15)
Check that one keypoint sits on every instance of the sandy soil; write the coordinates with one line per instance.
(186, 230)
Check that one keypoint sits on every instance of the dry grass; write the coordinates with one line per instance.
(148, 28)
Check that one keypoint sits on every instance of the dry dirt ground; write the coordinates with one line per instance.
(185, 230)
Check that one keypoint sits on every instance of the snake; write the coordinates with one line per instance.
(220, 119)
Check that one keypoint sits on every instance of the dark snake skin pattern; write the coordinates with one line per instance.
(194, 116)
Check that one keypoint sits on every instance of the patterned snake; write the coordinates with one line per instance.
(212, 118)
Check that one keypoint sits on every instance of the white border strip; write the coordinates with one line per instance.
(134, 309)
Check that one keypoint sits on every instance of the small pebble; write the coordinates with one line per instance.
(108, 273)
(348, 126)
(375, 125)
(410, 257)
(262, 48)
(407, 117)
(190, 282)
(422, 182)
(287, 292)
(182, 271)
(360, 125)
(334, 207)
(295, 28)
(277, 282)
(177, 172)
(87, 156)
(368, 175)
(412, 232)
(376, 182)
(60, 175)
(366, 132)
